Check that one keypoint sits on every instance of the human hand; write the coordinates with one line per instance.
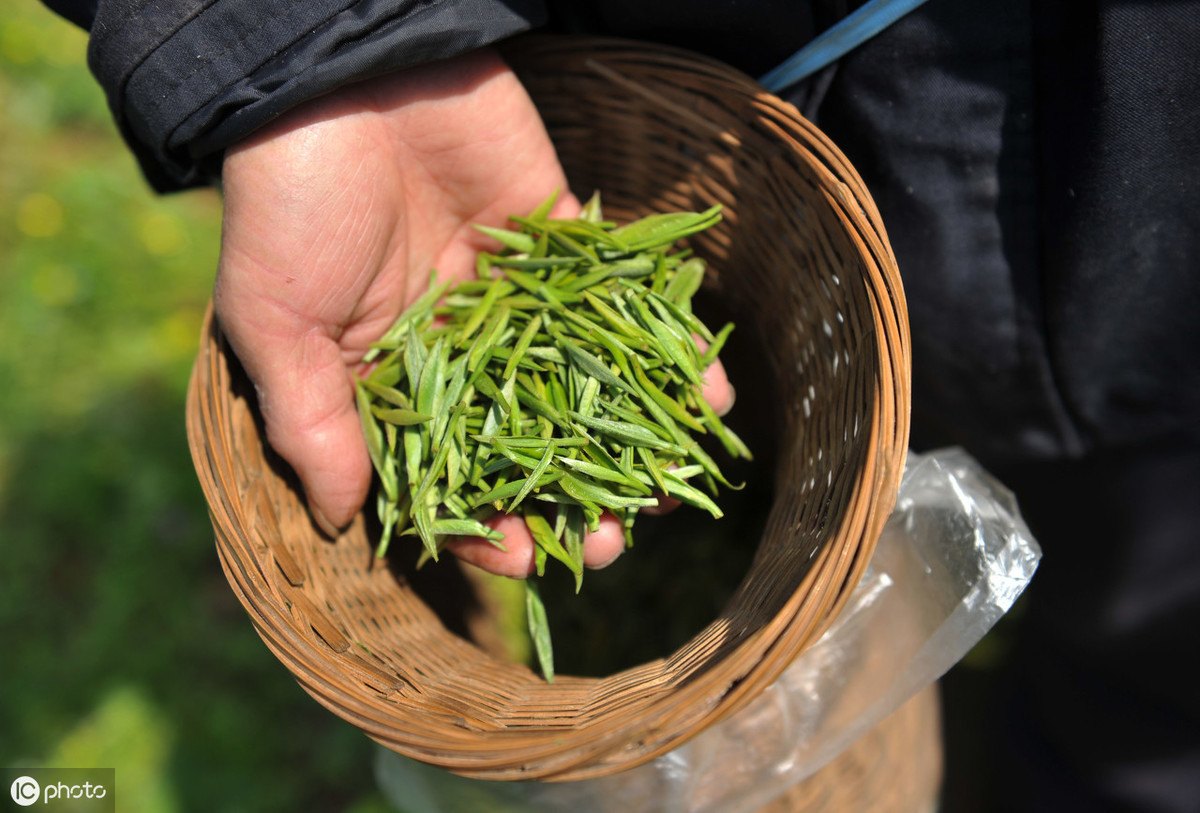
(334, 215)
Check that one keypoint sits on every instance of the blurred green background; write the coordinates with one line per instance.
(122, 644)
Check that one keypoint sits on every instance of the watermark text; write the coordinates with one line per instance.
(87, 790)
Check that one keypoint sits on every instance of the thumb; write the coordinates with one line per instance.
(307, 401)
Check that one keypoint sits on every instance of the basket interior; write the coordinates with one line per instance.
(802, 265)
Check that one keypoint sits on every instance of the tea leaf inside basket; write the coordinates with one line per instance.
(562, 382)
(539, 629)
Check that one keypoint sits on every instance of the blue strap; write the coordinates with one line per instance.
(836, 41)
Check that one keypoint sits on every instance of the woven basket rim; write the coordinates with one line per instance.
(564, 746)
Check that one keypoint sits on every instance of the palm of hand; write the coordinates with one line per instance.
(334, 217)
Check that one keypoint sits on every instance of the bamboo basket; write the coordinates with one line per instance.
(801, 259)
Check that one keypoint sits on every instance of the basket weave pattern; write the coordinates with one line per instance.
(801, 258)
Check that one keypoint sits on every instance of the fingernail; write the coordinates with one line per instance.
(729, 404)
(327, 527)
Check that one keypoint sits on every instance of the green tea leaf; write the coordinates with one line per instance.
(374, 436)
(543, 536)
(573, 538)
(689, 494)
(521, 346)
(467, 527)
(542, 211)
(385, 376)
(400, 417)
(621, 324)
(606, 473)
(572, 246)
(539, 629)
(668, 310)
(661, 427)
(415, 356)
(591, 210)
(658, 230)
(715, 346)
(652, 468)
(539, 406)
(422, 517)
(586, 491)
(536, 263)
(666, 402)
(386, 393)
(417, 311)
(394, 514)
(587, 362)
(686, 282)
(732, 443)
(488, 301)
(621, 431)
(515, 240)
(514, 487)
(534, 476)
(672, 345)
(589, 234)
(413, 453)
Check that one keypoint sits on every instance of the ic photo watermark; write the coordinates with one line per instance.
(85, 790)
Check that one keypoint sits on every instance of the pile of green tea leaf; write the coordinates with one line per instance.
(563, 382)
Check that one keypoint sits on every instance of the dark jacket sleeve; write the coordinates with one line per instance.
(187, 78)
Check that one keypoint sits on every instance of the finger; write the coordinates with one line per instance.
(716, 390)
(307, 403)
(515, 561)
(600, 547)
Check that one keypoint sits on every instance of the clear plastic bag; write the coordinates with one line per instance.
(952, 559)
